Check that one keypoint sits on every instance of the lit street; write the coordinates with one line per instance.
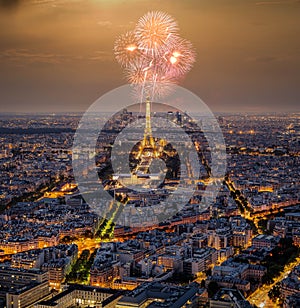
(260, 297)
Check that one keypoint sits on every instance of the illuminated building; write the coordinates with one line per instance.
(20, 287)
(79, 295)
(228, 282)
(170, 262)
(157, 295)
(202, 260)
(292, 301)
(262, 240)
(28, 259)
(27, 295)
(102, 277)
(58, 262)
(104, 269)
(219, 238)
(229, 298)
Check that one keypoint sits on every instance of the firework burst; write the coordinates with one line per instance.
(154, 30)
(178, 58)
(139, 71)
(126, 49)
(153, 55)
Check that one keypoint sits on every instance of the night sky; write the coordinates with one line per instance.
(57, 55)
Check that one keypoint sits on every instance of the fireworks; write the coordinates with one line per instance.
(154, 30)
(154, 56)
(178, 58)
(126, 49)
(139, 71)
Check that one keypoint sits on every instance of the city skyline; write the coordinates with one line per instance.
(180, 189)
(242, 250)
(57, 56)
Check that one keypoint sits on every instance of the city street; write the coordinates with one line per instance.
(260, 297)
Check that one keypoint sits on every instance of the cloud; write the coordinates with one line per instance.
(109, 24)
(9, 4)
(14, 3)
(264, 59)
(282, 2)
(53, 3)
(104, 23)
(27, 57)
(101, 56)
(43, 1)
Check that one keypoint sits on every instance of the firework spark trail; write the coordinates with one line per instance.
(142, 91)
(126, 49)
(153, 87)
(153, 55)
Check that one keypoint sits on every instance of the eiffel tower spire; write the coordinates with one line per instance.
(148, 140)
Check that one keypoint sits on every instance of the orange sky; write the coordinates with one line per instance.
(56, 55)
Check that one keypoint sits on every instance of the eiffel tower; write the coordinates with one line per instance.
(148, 140)
(148, 149)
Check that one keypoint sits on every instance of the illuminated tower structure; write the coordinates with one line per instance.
(148, 149)
(148, 140)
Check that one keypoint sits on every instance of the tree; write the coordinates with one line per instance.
(88, 234)
(68, 239)
(274, 293)
(212, 288)
(208, 272)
